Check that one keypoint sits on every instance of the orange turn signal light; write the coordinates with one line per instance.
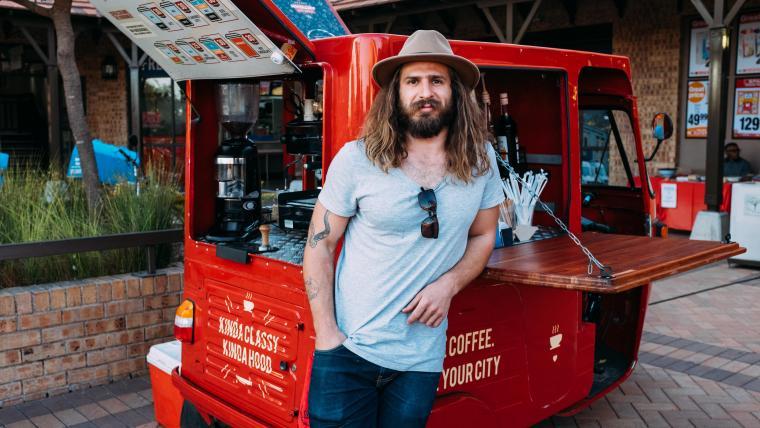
(183, 322)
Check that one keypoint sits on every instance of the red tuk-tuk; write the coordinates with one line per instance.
(538, 333)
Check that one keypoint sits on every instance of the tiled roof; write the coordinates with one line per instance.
(78, 7)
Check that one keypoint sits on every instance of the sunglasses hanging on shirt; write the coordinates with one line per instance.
(429, 226)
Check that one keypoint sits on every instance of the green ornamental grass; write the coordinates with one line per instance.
(35, 207)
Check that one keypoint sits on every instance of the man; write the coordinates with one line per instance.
(734, 165)
(417, 199)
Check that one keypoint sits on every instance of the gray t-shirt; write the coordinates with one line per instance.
(385, 261)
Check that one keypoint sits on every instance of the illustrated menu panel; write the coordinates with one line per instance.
(198, 39)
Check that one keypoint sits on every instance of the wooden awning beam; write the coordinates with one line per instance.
(508, 35)
(494, 26)
(718, 19)
(620, 5)
(45, 58)
(733, 12)
(528, 20)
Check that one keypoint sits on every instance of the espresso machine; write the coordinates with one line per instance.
(303, 137)
(238, 197)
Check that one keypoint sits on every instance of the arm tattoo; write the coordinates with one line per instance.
(312, 289)
(315, 238)
(311, 232)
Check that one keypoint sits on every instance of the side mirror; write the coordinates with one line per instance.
(662, 126)
(662, 129)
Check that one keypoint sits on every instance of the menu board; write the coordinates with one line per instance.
(198, 39)
(696, 109)
(747, 108)
(699, 49)
(748, 46)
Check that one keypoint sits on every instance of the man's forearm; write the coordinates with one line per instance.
(318, 276)
(479, 248)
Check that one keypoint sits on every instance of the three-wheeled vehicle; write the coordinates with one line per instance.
(540, 332)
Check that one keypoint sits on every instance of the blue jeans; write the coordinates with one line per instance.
(349, 391)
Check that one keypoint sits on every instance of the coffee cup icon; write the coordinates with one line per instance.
(247, 306)
(555, 341)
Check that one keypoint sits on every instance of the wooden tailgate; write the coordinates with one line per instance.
(635, 261)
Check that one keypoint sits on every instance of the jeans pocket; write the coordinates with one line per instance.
(328, 351)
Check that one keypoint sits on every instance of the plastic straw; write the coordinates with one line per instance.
(523, 194)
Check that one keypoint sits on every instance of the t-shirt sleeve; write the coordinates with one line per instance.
(493, 194)
(338, 194)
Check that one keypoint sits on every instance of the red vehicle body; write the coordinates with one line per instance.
(523, 340)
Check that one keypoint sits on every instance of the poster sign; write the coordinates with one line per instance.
(699, 49)
(748, 55)
(747, 108)
(696, 109)
(669, 195)
(198, 39)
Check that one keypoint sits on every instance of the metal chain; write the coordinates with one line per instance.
(604, 271)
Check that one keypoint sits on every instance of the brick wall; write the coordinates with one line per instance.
(651, 37)
(649, 34)
(106, 100)
(64, 336)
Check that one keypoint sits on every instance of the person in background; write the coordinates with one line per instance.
(734, 165)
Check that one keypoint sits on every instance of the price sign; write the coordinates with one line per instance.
(699, 49)
(747, 108)
(696, 110)
(748, 46)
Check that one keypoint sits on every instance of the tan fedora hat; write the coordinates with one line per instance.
(427, 45)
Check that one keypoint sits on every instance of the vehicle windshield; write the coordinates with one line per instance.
(608, 148)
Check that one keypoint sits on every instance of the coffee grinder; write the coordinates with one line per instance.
(238, 198)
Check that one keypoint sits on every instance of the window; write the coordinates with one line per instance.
(608, 148)
(163, 122)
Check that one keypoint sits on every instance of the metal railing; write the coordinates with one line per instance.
(148, 240)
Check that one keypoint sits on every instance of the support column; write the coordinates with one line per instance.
(134, 99)
(54, 97)
(716, 118)
(134, 61)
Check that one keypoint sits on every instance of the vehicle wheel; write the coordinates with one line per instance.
(191, 417)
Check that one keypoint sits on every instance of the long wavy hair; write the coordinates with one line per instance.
(466, 141)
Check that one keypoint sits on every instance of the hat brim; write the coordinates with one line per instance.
(468, 72)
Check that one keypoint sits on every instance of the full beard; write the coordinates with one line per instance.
(429, 124)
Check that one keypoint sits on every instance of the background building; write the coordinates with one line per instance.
(33, 121)
(657, 35)
(664, 39)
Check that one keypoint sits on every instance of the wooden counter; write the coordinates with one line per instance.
(635, 260)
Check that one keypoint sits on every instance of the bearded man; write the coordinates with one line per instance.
(416, 197)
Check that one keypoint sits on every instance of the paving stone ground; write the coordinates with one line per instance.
(128, 403)
(699, 366)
